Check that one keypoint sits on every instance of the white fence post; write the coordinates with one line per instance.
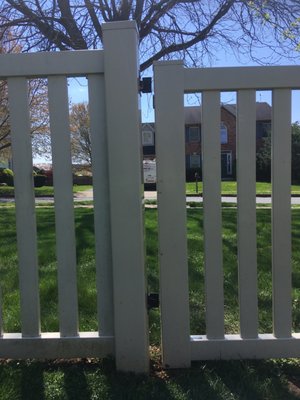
(170, 153)
(126, 191)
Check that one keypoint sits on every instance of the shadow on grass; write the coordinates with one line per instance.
(94, 379)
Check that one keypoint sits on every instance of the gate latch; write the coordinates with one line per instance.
(152, 300)
(145, 85)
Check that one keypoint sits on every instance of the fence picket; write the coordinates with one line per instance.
(64, 210)
(212, 219)
(246, 194)
(281, 212)
(25, 206)
(101, 204)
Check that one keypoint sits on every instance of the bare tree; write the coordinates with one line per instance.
(80, 133)
(37, 100)
(191, 29)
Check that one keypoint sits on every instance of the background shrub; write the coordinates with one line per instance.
(39, 180)
(7, 176)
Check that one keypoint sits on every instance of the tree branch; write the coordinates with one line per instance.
(94, 18)
(68, 22)
(200, 36)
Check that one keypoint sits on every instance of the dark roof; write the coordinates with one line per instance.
(263, 110)
(193, 114)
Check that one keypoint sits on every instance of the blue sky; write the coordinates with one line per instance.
(78, 91)
(78, 87)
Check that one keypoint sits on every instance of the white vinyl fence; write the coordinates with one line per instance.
(112, 76)
(172, 81)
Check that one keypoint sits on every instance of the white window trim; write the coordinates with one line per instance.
(151, 135)
(190, 158)
(228, 164)
(223, 127)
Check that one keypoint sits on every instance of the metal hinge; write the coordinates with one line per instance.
(145, 85)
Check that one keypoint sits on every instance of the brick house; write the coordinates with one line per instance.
(227, 137)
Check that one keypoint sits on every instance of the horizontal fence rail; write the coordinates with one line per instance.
(238, 78)
(37, 65)
(210, 82)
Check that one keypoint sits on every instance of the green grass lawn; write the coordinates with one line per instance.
(227, 188)
(97, 379)
(44, 191)
(230, 188)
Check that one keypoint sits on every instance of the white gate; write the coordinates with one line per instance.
(172, 80)
(115, 133)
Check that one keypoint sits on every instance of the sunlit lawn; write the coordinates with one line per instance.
(44, 191)
(86, 272)
(230, 188)
(98, 379)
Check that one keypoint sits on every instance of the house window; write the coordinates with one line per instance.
(226, 163)
(224, 133)
(193, 134)
(148, 138)
(195, 161)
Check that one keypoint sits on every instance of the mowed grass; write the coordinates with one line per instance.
(44, 191)
(230, 188)
(48, 269)
(97, 379)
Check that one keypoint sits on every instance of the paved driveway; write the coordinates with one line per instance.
(225, 199)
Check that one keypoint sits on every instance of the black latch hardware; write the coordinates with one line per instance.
(146, 85)
(152, 300)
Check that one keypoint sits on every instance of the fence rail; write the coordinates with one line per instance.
(44, 64)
